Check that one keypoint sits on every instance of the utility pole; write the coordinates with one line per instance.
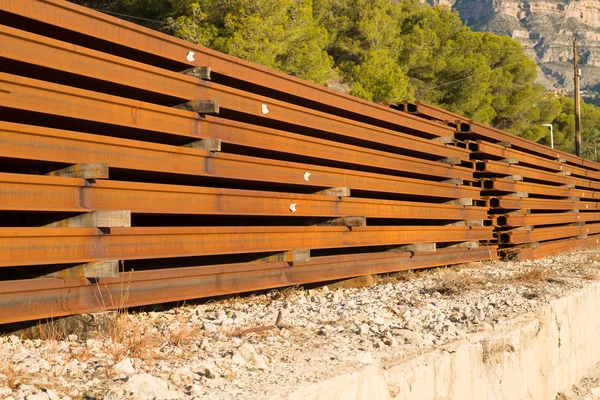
(577, 100)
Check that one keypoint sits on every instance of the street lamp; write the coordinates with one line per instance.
(551, 134)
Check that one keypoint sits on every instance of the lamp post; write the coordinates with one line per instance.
(551, 134)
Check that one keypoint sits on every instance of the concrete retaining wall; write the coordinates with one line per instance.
(533, 356)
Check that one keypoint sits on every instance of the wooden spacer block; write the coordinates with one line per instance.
(573, 198)
(98, 269)
(208, 144)
(336, 191)
(461, 202)
(98, 219)
(504, 144)
(561, 160)
(345, 221)
(509, 160)
(451, 160)
(85, 171)
(415, 247)
(455, 181)
(564, 173)
(198, 72)
(515, 177)
(520, 195)
(464, 245)
(468, 222)
(444, 139)
(568, 186)
(290, 256)
(200, 106)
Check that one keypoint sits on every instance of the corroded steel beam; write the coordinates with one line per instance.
(540, 234)
(50, 194)
(29, 94)
(109, 34)
(23, 300)
(36, 246)
(538, 204)
(38, 143)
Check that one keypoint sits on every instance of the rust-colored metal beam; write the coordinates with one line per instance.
(132, 40)
(544, 219)
(504, 185)
(500, 168)
(23, 300)
(35, 246)
(50, 194)
(44, 144)
(483, 150)
(29, 94)
(153, 157)
(540, 234)
(537, 204)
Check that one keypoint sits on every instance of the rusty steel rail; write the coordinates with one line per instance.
(29, 94)
(106, 33)
(431, 112)
(39, 246)
(544, 219)
(520, 236)
(44, 144)
(58, 194)
(505, 185)
(152, 157)
(511, 203)
(43, 298)
(482, 150)
(500, 168)
(549, 248)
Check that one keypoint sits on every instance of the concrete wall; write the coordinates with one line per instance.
(533, 356)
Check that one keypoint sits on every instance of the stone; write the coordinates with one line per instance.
(52, 394)
(40, 395)
(150, 387)
(210, 327)
(250, 355)
(5, 392)
(365, 357)
(124, 367)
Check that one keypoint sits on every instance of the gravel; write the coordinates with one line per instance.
(268, 344)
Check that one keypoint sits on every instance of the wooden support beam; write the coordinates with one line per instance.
(561, 160)
(520, 195)
(504, 144)
(463, 245)
(450, 160)
(568, 186)
(444, 139)
(336, 191)
(515, 177)
(290, 256)
(461, 202)
(455, 181)
(344, 221)
(98, 219)
(208, 144)
(85, 171)
(198, 72)
(509, 160)
(98, 269)
(415, 247)
(468, 222)
(200, 106)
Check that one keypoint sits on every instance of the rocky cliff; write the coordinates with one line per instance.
(546, 29)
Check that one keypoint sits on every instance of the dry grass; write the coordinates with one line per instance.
(591, 275)
(451, 281)
(534, 275)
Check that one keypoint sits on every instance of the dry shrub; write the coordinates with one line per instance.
(534, 275)
(450, 282)
(590, 275)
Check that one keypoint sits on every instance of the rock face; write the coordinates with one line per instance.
(546, 29)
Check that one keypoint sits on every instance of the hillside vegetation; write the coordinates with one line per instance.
(379, 50)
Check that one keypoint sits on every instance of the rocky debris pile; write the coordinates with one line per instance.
(265, 345)
(586, 389)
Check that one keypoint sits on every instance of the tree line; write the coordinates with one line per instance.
(379, 50)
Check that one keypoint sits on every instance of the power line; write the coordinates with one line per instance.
(129, 16)
(468, 77)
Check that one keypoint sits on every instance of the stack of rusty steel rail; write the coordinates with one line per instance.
(136, 168)
(542, 201)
